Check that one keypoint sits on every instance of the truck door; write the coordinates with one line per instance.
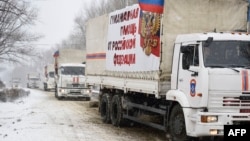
(192, 77)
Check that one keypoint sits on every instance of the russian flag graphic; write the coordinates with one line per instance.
(56, 54)
(155, 6)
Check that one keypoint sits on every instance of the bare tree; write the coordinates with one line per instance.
(77, 37)
(16, 17)
(97, 8)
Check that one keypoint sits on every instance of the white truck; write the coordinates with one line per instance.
(15, 82)
(70, 74)
(33, 79)
(49, 81)
(149, 63)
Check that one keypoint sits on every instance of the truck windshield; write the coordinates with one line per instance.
(73, 70)
(227, 54)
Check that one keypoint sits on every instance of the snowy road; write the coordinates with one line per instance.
(41, 117)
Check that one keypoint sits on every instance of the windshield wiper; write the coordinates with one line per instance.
(233, 66)
(247, 67)
(215, 66)
(234, 69)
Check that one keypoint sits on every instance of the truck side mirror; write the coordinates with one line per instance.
(208, 41)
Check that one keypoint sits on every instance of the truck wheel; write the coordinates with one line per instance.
(116, 111)
(56, 91)
(45, 87)
(57, 96)
(104, 108)
(177, 127)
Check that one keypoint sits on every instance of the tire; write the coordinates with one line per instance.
(105, 108)
(116, 111)
(45, 87)
(56, 91)
(177, 127)
(56, 94)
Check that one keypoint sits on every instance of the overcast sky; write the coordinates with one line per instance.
(56, 19)
(55, 22)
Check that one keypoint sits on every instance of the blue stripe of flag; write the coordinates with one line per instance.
(152, 2)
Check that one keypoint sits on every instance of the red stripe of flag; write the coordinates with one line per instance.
(96, 56)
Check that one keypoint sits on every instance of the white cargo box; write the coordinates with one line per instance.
(153, 66)
(71, 56)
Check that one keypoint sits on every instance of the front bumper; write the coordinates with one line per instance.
(197, 128)
(51, 86)
(77, 92)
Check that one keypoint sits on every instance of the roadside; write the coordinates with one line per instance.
(41, 117)
(12, 94)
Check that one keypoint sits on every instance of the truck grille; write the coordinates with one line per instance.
(230, 105)
(235, 101)
(75, 85)
(222, 102)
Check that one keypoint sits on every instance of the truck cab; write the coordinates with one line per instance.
(33, 80)
(210, 80)
(70, 81)
(49, 81)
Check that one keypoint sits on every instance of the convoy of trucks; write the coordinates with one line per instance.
(49, 81)
(69, 66)
(184, 62)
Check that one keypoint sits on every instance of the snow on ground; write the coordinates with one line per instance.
(32, 119)
(41, 117)
(15, 117)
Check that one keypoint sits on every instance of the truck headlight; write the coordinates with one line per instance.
(86, 91)
(63, 90)
(209, 118)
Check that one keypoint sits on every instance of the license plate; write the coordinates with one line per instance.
(75, 91)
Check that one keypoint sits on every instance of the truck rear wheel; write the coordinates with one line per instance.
(104, 108)
(177, 127)
(116, 111)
